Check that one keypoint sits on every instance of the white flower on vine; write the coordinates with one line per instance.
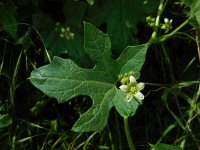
(167, 25)
(133, 89)
(166, 20)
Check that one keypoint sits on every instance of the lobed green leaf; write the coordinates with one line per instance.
(63, 79)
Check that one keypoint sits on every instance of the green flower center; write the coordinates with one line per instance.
(132, 89)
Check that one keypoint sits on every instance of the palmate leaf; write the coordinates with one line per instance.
(63, 79)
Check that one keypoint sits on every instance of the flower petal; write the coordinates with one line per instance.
(166, 20)
(163, 27)
(139, 96)
(132, 79)
(140, 86)
(129, 97)
(124, 88)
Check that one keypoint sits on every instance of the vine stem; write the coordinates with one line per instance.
(165, 37)
(128, 135)
(197, 43)
(157, 22)
(154, 38)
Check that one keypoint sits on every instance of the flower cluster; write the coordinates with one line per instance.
(132, 88)
(64, 32)
(150, 21)
(167, 25)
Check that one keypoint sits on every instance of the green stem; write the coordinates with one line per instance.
(165, 37)
(46, 52)
(168, 62)
(110, 136)
(153, 38)
(88, 140)
(128, 136)
(157, 22)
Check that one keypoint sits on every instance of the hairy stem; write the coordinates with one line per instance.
(128, 136)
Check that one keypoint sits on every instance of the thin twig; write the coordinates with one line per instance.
(197, 42)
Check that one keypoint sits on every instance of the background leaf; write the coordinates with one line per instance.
(187, 2)
(123, 19)
(99, 12)
(162, 146)
(5, 120)
(57, 45)
(120, 18)
(7, 18)
(195, 14)
(74, 12)
(91, 2)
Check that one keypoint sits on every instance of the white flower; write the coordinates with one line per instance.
(167, 25)
(163, 27)
(166, 21)
(124, 88)
(133, 89)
